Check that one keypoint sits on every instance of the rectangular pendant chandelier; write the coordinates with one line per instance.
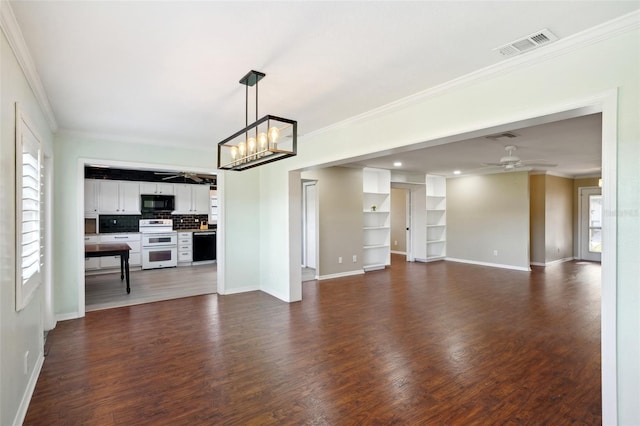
(264, 141)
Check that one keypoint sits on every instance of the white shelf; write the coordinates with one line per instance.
(436, 193)
(376, 225)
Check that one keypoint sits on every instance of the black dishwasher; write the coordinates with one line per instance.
(204, 246)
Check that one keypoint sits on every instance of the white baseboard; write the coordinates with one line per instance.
(239, 290)
(493, 265)
(404, 253)
(341, 274)
(28, 393)
(67, 316)
(553, 262)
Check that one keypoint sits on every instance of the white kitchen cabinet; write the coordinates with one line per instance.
(91, 263)
(119, 197)
(192, 199)
(156, 188)
(376, 206)
(132, 239)
(91, 197)
(185, 248)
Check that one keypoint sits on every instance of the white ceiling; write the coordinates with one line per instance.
(168, 70)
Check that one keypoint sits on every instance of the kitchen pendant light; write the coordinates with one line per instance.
(266, 140)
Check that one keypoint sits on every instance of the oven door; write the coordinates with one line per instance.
(151, 240)
(159, 257)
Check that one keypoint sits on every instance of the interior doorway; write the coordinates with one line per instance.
(590, 235)
(309, 230)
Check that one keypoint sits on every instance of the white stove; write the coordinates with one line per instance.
(159, 243)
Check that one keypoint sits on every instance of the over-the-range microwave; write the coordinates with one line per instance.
(156, 203)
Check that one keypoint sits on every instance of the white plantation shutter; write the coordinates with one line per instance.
(28, 211)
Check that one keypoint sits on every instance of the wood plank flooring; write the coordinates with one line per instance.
(439, 343)
(153, 285)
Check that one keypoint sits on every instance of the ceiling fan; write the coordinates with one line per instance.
(189, 175)
(511, 162)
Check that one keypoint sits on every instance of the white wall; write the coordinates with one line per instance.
(554, 83)
(19, 331)
(489, 213)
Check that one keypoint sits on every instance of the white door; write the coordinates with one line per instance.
(590, 224)
(309, 236)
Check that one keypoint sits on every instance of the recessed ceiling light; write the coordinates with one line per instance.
(397, 164)
(456, 172)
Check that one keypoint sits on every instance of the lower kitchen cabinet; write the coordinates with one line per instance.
(133, 239)
(91, 263)
(185, 248)
(113, 262)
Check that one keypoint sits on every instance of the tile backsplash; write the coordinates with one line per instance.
(109, 224)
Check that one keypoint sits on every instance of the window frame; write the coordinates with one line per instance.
(27, 138)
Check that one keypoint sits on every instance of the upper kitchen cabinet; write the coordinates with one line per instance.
(191, 199)
(119, 197)
(91, 191)
(156, 188)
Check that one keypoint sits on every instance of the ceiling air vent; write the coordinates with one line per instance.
(530, 42)
(505, 135)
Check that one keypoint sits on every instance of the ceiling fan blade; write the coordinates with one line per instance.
(169, 177)
(195, 178)
(164, 173)
(493, 164)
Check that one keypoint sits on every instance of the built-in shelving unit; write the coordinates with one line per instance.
(376, 206)
(436, 187)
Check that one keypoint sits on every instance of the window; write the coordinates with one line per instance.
(28, 210)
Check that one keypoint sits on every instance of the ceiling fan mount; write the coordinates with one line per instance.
(511, 162)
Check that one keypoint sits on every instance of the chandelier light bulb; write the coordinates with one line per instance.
(262, 141)
(251, 145)
(242, 149)
(274, 133)
(234, 152)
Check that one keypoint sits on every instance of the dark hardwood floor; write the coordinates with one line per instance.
(439, 343)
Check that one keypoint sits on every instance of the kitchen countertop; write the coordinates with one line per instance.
(195, 230)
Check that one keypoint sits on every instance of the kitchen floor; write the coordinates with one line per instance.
(106, 291)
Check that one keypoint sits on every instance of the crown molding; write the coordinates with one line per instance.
(604, 31)
(18, 45)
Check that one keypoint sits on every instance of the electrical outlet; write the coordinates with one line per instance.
(26, 363)
(340, 259)
(495, 252)
(355, 258)
(395, 242)
(195, 220)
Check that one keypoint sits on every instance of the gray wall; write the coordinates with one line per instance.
(487, 213)
(340, 218)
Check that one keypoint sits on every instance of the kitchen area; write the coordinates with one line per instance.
(168, 220)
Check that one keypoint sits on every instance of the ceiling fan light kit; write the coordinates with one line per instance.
(266, 140)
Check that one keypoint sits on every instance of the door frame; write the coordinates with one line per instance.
(305, 187)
